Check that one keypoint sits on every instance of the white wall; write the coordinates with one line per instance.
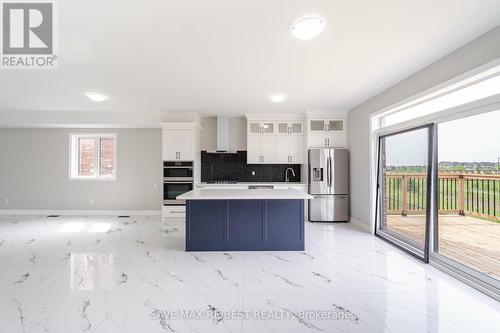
(476, 53)
(34, 172)
(237, 133)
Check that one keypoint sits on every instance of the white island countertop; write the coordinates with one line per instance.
(244, 194)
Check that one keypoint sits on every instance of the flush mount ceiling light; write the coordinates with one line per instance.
(308, 27)
(277, 98)
(96, 97)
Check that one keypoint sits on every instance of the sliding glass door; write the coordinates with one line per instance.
(467, 227)
(403, 196)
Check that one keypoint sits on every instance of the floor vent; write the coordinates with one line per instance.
(123, 216)
(53, 215)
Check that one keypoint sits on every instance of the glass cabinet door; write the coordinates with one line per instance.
(296, 128)
(268, 128)
(254, 128)
(317, 125)
(282, 128)
(336, 125)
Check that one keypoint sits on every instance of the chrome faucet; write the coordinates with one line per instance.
(286, 174)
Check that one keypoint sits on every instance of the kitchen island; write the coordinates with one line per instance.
(244, 220)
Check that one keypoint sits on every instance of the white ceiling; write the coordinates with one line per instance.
(227, 56)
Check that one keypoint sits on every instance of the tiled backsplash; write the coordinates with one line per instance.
(216, 167)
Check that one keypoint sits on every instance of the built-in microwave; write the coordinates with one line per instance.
(177, 179)
(177, 171)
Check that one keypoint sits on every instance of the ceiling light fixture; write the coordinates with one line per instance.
(308, 27)
(277, 98)
(96, 97)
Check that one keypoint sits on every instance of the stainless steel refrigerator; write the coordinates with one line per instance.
(329, 184)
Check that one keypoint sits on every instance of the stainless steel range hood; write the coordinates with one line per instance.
(222, 136)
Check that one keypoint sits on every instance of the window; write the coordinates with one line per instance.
(93, 156)
(443, 208)
(482, 85)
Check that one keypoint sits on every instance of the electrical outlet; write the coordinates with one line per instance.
(155, 185)
(91, 201)
(6, 200)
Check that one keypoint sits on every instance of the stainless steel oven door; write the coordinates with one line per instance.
(173, 189)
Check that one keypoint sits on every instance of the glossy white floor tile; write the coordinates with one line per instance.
(104, 274)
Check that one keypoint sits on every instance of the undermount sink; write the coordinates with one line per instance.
(261, 187)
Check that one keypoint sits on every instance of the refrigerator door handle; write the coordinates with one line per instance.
(328, 172)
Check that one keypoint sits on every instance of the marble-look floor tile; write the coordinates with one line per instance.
(175, 313)
(108, 274)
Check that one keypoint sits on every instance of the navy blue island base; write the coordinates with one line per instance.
(245, 225)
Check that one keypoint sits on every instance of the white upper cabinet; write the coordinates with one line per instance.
(260, 142)
(170, 145)
(178, 144)
(326, 133)
(275, 142)
(290, 143)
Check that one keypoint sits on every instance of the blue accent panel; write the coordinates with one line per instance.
(245, 225)
(283, 224)
(206, 220)
(246, 220)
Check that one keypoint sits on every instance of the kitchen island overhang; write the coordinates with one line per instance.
(244, 220)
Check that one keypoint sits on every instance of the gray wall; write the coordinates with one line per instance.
(34, 172)
(476, 53)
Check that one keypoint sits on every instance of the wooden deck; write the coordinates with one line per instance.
(471, 241)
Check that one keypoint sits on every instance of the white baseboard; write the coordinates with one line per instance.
(360, 225)
(80, 212)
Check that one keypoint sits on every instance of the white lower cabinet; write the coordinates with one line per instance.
(174, 212)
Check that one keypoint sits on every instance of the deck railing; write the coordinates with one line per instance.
(463, 194)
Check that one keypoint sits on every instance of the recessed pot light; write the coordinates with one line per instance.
(308, 27)
(96, 97)
(277, 98)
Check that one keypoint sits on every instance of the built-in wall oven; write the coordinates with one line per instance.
(177, 179)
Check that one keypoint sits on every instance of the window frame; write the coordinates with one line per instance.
(74, 156)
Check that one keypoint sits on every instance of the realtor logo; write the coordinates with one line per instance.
(28, 35)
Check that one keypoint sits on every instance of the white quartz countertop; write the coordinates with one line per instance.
(243, 185)
(244, 194)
